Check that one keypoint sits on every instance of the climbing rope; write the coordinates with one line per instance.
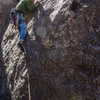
(29, 90)
(28, 78)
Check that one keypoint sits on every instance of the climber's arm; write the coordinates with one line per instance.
(31, 6)
(37, 3)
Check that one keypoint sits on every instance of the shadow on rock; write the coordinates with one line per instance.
(4, 90)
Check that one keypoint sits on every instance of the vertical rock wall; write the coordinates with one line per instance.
(5, 6)
(62, 56)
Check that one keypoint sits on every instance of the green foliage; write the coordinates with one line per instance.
(74, 96)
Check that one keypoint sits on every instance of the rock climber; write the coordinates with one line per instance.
(22, 8)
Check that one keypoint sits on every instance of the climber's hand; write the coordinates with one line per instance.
(37, 3)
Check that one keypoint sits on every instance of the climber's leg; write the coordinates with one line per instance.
(23, 31)
(23, 28)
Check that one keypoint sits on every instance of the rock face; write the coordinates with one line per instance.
(62, 59)
(5, 7)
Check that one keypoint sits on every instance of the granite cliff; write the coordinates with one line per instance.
(62, 59)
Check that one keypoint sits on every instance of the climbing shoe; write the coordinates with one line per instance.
(21, 46)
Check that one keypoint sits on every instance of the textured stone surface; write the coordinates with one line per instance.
(62, 57)
(5, 7)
